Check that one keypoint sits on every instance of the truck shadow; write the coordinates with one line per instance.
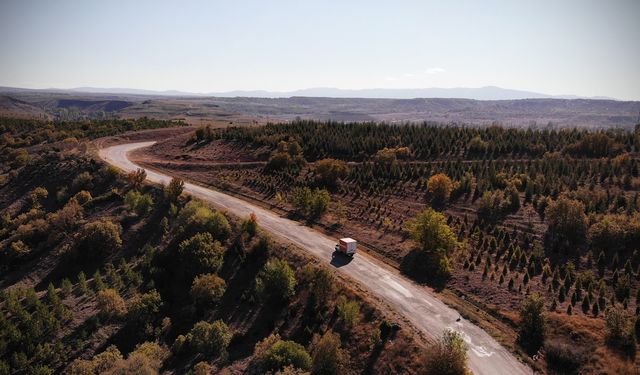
(339, 259)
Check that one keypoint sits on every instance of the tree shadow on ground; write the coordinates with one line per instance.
(419, 267)
(264, 322)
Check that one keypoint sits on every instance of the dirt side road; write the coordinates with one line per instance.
(416, 303)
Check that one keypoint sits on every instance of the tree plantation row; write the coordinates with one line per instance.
(503, 216)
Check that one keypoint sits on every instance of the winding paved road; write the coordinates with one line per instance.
(414, 302)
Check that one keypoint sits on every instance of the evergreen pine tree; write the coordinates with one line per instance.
(98, 283)
(586, 304)
(83, 288)
(596, 309)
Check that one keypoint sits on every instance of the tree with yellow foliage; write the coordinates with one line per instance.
(439, 188)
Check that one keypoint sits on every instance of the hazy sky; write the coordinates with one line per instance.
(586, 47)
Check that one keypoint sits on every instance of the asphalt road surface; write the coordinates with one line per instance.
(416, 303)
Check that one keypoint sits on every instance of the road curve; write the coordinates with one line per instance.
(416, 303)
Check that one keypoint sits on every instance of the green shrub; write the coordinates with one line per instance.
(319, 202)
(532, 323)
(435, 240)
(567, 220)
(136, 178)
(198, 216)
(144, 308)
(448, 356)
(173, 190)
(278, 162)
(99, 238)
(179, 344)
(322, 285)
(66, 286)
(348, 311)
(147, 358)
(208, 289)
(282, 353)
(276, 280)
(110, 172)
(287, 156)
(201, 254)
(328, 358)
(620, 328)
(250, 225)
(310, 203)
(82, 283)
(477, 146)
(142, 204)
(98, 283)
(431, 231)
(209, 338)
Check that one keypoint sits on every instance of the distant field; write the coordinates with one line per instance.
(539, 113)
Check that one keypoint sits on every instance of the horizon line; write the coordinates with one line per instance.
(287, 93)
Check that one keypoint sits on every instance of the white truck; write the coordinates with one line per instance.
(347, 246)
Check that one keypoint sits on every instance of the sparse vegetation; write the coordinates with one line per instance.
(447, 356)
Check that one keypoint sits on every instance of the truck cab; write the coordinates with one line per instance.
(347, 246)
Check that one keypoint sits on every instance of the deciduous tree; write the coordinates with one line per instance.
(440, 187)
(532, 323)
(207, 289)
(566, 219)
(276, 280)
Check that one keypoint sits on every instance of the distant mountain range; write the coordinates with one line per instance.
(480, 93)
